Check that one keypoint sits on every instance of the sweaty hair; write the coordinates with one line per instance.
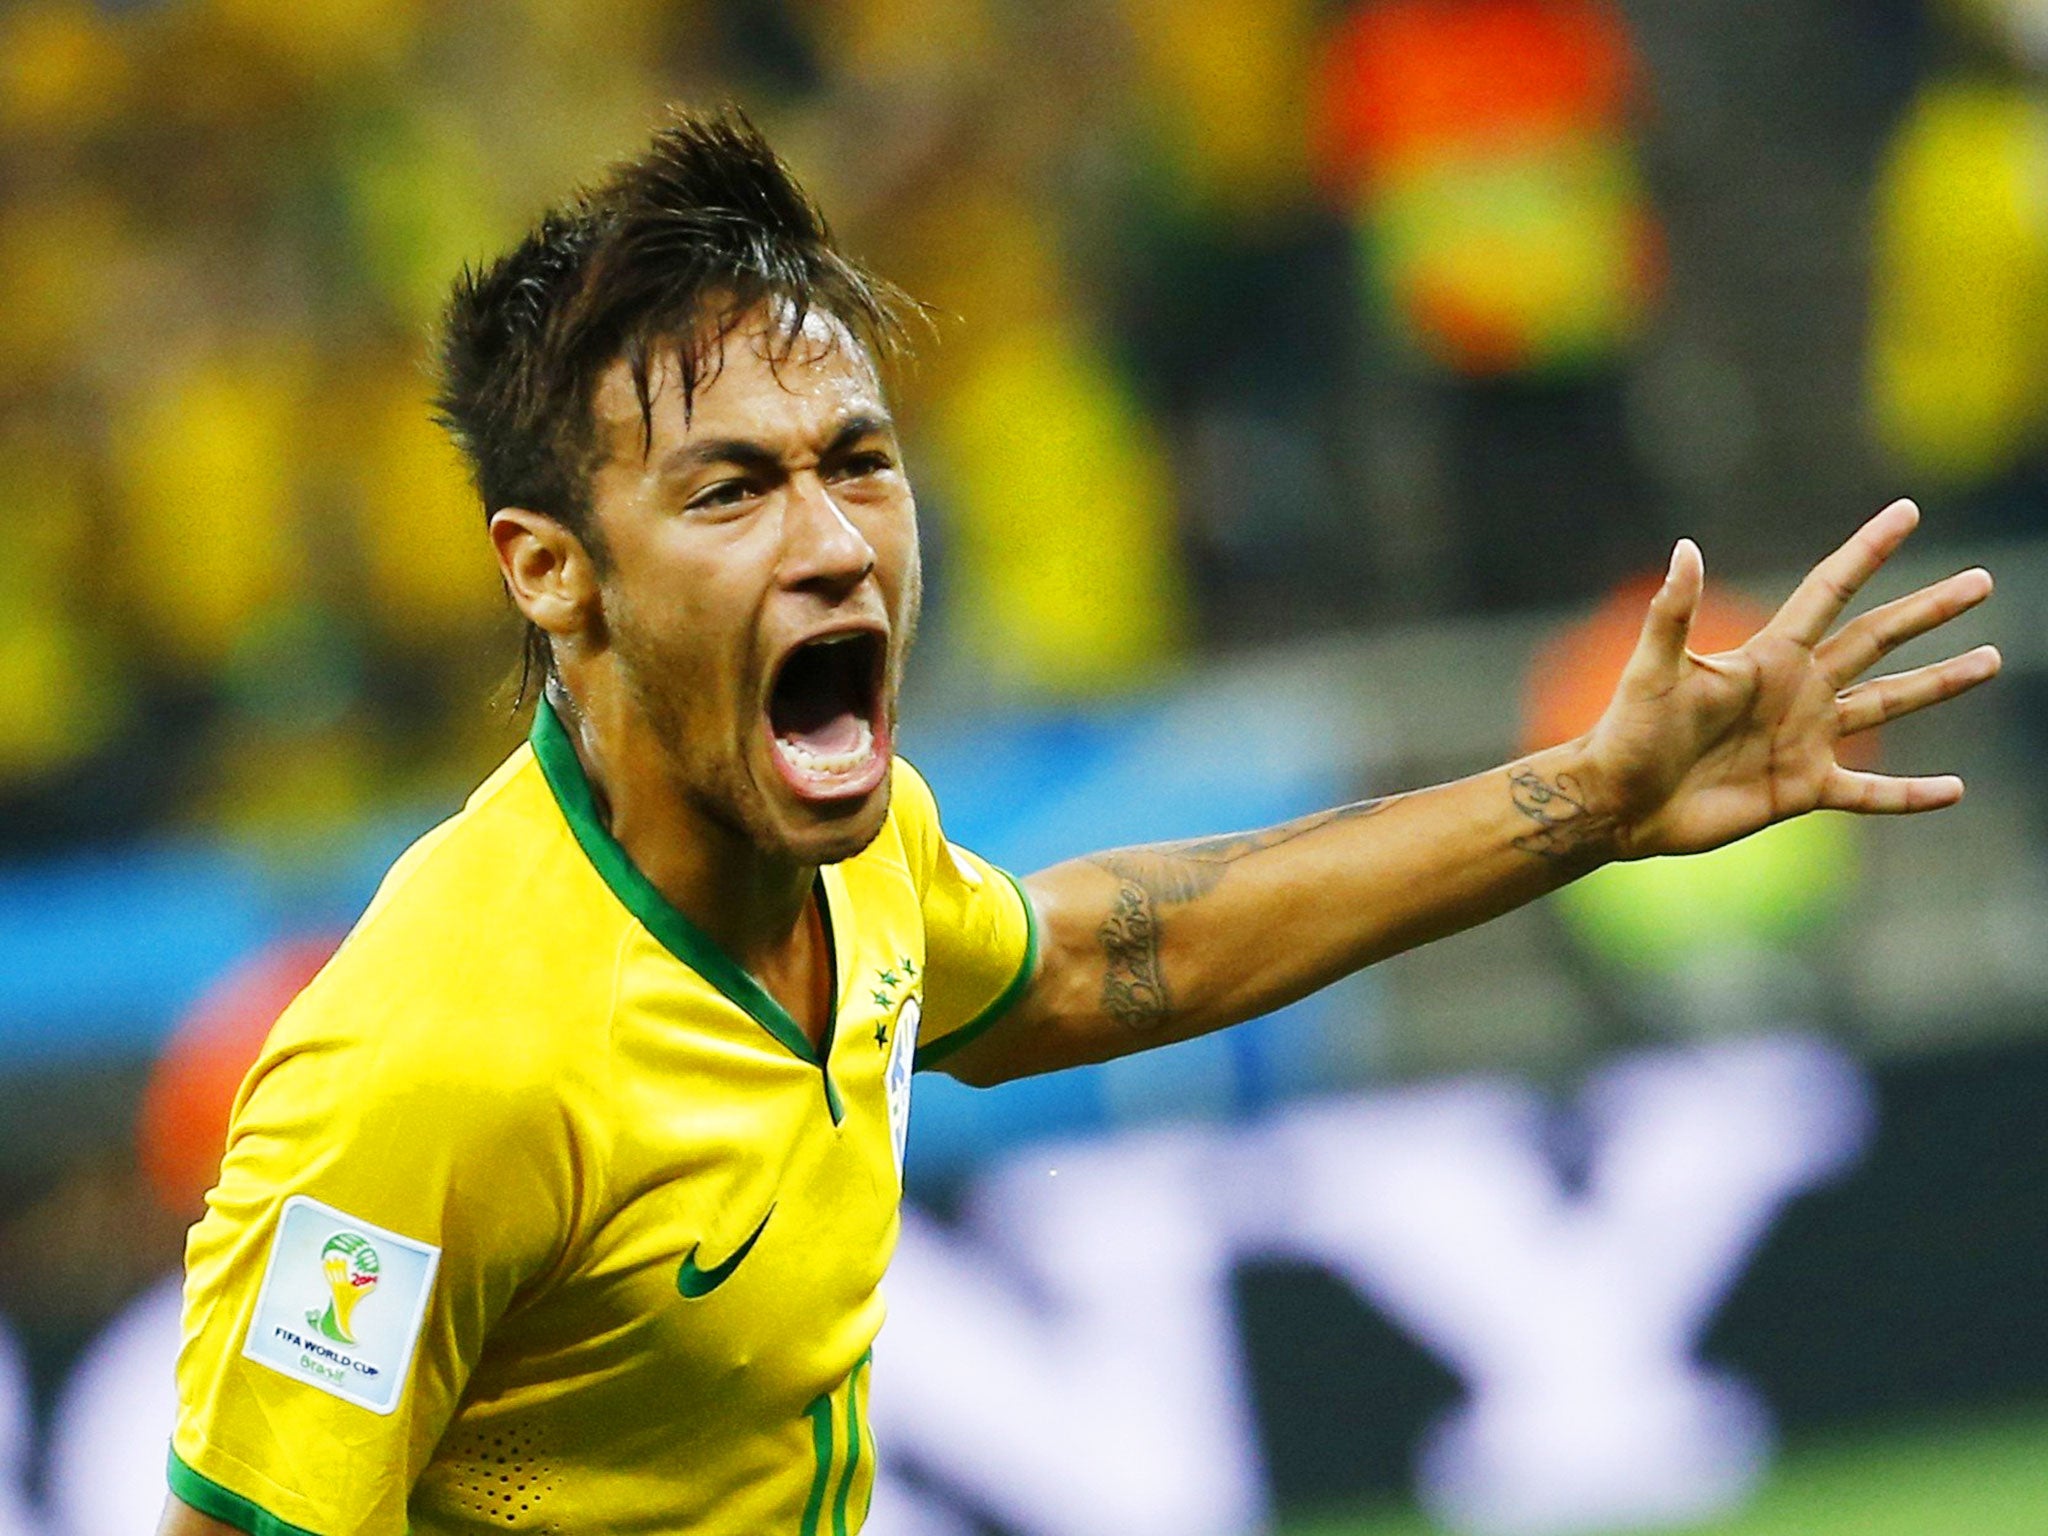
(665, 255)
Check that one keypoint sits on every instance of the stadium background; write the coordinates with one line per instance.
(1307, 376)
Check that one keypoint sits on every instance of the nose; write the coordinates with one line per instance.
(822, 549)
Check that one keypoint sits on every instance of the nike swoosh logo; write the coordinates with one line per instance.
(694, 1282)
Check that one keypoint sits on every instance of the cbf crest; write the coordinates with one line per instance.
(902, 1053)
(896, 987)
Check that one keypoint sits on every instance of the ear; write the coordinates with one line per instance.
(549, 573)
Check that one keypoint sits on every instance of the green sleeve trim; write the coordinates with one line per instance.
(931, 1055)
(218, 1503)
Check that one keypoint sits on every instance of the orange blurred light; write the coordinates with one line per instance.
(1419, 79)
(183, 1126)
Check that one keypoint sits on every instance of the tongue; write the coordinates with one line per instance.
(817, 702)
(830, 738)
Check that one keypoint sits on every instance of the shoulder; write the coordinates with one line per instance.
(484, 967)
(504, 867)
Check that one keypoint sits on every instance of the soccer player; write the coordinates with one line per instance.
(561, 1199)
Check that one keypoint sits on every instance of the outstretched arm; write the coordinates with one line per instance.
(1143, 946)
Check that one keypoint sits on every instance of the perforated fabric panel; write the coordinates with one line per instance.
(500, 1476)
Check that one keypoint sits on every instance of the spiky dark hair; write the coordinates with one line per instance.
(667, 253)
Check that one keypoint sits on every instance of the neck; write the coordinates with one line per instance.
(749, 902)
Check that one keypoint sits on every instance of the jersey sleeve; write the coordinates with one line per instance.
(379, 1207)
(981, 935)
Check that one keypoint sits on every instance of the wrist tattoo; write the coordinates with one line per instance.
(1149, 880)
(1565, 828)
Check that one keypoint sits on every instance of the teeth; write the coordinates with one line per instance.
(829, 763)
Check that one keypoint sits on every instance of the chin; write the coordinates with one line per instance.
(830, 839)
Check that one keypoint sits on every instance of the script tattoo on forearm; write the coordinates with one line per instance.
(1565, 829)
(1152, 879)
(1133, 991)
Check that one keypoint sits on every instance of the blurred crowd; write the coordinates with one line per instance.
(1253, 317)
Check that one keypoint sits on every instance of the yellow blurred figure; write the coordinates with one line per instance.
(1065, 568)
(63, 696)
(610, 34)
(60, 700)
(55, 262)
(418, 189)
(326, 38)
(897, 39)
(1959, 316)
(1065, 573)
(291, 796)
(61, 67)
(1225, 90)
(205, 458)
(431, 576)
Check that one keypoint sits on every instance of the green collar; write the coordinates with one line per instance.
(682, 938)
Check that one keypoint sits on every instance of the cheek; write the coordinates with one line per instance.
(680, 634)
(682, 584)
(910, 603)
(896, 551)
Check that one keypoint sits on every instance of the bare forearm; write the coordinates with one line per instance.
(1147, 945)
(1143, 946)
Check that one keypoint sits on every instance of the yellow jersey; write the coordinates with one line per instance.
(539, 1213)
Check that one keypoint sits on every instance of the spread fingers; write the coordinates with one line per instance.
(1818, 601)
(1888, 698)
(1880, 794)
(1876, 634)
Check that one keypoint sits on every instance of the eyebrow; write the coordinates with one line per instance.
(753, 455)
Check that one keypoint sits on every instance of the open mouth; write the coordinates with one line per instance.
(824, 716)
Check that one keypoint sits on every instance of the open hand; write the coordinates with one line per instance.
(1696, 751)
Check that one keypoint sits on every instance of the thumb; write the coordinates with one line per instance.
(1660, 648)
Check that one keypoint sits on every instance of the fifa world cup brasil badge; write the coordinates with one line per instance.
(351, 1266)
(335, 1347)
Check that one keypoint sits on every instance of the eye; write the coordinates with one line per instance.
(726, 493)
(859, 466)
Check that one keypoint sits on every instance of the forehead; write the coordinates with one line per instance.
(759, 382)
